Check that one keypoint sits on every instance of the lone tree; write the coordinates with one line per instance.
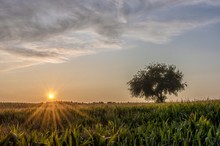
(155, 81)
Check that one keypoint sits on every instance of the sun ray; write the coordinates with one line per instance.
(56, 115)
(64, 113)
(46, 118)
(36, 114)
(78, 110)
(68, 108)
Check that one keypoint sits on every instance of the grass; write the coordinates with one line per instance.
(67, 123)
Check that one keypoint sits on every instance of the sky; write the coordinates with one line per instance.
(87, 50)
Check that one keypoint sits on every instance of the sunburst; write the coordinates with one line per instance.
(51, 96)
(54, 115)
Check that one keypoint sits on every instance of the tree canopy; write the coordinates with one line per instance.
(156, 81)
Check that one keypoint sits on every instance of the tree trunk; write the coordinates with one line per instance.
(160, 98)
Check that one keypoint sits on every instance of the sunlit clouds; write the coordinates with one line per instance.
(48, 31)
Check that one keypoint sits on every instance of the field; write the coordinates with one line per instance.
(97, 124)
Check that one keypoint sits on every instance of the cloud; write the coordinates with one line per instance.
(36, 32)
(162, 32)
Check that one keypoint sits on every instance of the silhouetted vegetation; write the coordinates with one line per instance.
(155, 81)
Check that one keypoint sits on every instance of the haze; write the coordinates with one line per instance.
(86, 51)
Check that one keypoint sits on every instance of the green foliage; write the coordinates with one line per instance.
(155, 81)
(195, 124)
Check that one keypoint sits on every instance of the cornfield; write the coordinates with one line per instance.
(124, 124)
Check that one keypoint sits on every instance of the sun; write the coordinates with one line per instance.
(51, 96)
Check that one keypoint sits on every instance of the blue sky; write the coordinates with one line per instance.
(88, 50)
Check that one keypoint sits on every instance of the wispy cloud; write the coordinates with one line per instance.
(35, 32)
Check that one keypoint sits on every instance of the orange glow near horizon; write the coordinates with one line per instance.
(51, 96)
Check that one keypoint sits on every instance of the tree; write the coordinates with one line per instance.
(155, 81)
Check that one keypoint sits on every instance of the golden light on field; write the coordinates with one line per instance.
(53, 114)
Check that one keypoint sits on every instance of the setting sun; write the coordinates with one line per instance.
(51, 96)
